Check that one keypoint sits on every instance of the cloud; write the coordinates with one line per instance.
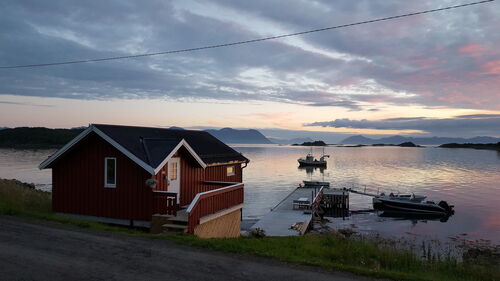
(24, 103)
(444, 59)
(477, 124)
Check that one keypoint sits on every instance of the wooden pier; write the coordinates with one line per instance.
(335, 198)
(293, 215)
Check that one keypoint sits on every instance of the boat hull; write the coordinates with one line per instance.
(406, 206)
(316, 184)
(312, 164)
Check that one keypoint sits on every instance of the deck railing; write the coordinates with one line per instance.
(213, 201)
(165, 203)
(317, 200)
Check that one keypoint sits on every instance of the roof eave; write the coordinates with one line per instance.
(45, 164)
(191, 151)
(92, 128)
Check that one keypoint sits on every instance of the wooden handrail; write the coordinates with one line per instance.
(317, 199)
(210, 202)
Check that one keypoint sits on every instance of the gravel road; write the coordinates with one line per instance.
(36, 250)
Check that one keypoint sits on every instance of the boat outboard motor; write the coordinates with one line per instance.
(446, 207)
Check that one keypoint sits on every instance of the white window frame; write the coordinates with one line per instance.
(106, 184)
(232, 173)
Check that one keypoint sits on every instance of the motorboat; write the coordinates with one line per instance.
(411, 204)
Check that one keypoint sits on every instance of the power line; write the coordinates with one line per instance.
(246, 41)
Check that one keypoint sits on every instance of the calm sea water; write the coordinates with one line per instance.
(466, 178)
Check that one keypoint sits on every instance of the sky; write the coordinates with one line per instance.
(428, 75)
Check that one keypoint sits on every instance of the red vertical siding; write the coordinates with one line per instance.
(161, 177)
(78, 183)
(193, 177)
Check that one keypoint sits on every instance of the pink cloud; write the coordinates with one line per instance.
(348, 81)
(472, 50)
(425, 63)
(491, 67)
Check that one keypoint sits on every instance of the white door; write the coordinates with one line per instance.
(174, 176)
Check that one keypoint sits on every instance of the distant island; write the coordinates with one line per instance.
(36, 138)
(395, 140)
(490, 146)
(311, 143)
(404, 144)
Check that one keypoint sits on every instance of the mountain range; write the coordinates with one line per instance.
(289, 141)
(229, 135)
(359, 139)
(44, 137)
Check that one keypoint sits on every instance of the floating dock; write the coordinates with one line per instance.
(293, 215)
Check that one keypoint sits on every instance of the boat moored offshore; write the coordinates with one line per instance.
(309, 160)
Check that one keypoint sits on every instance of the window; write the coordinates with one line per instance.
(109, 172)
(173, 170)
(230, 171)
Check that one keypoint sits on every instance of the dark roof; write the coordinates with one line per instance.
(153, 145)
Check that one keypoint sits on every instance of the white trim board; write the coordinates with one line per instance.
(70, 144)
(184, 143)
(124, 151)
(142, 164)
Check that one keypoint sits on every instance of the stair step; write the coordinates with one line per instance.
(178, 219)
(174, 226)
(176, 222)
(163, 216)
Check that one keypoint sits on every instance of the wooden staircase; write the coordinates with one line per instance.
(175, 224)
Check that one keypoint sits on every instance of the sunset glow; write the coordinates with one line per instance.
(435, 66)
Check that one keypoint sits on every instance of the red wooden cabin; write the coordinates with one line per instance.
(128, 175)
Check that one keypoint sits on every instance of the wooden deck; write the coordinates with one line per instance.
(279, 221)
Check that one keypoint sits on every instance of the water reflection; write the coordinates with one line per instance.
(413, 217)
(310, 171)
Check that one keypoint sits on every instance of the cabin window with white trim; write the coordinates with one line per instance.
(173, 170)
(110, 172)
(230, 171)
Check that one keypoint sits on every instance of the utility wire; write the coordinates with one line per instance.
(246, 41)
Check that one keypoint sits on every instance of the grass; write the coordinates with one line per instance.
(333, 252)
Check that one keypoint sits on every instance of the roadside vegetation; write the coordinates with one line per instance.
(332, 251)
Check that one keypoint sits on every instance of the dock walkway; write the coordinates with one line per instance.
(278, 222)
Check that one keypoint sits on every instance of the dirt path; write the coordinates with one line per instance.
(34, 250)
